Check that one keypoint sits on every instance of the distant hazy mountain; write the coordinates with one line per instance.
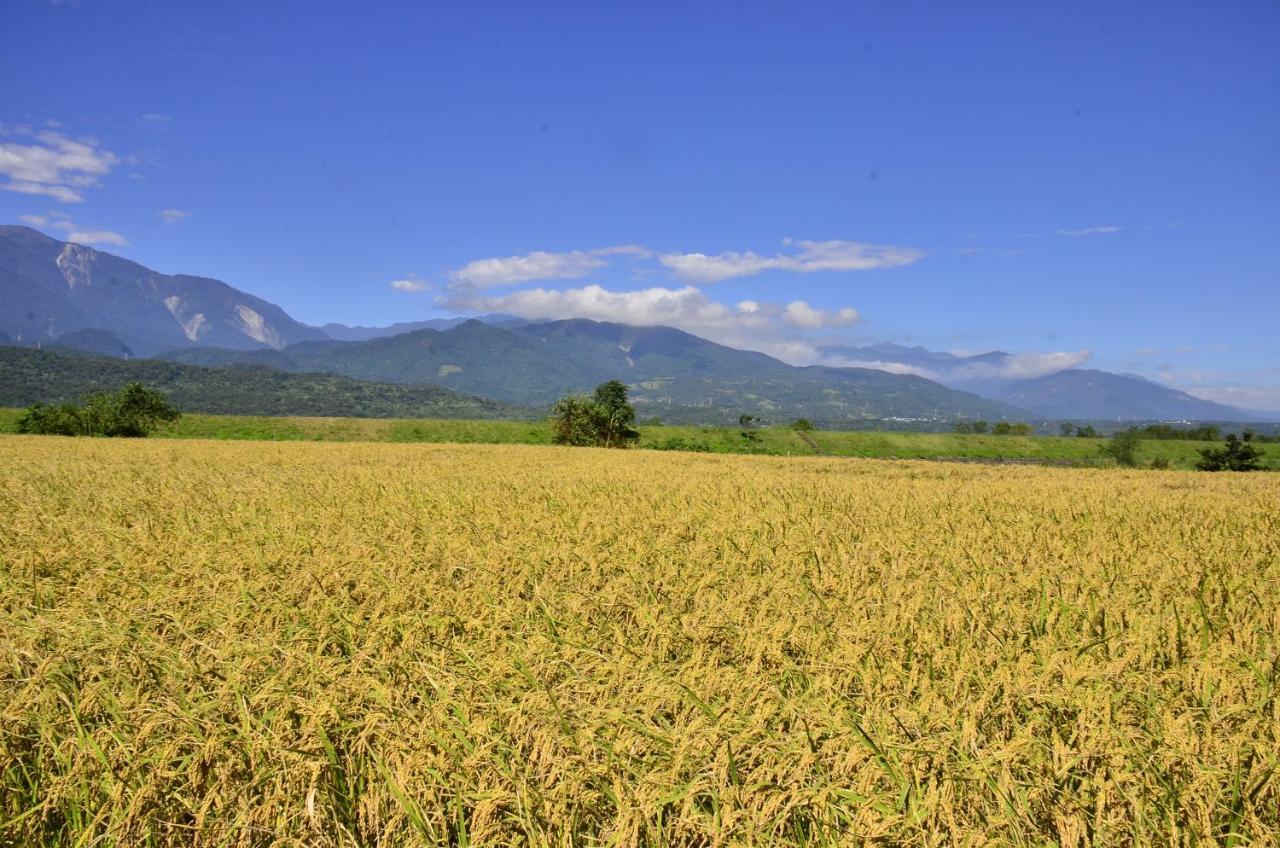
(30, 376)
(49, 288)
(1089, 394)
(345, 333)
(919, 357)
(674, 375)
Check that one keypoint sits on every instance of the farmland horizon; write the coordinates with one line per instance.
(642, 425)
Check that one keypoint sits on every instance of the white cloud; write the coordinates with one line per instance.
(878, 365)
(539, 265)
(759, 326)
(57, 192)
(1247, 388)
(811, 256)
(800, 314)
(61, 221)
(173, 216)
(1017, 366)
(1090, 231)
(410, 284)
(54, 165)
(1259, 398)
(97, 237)
(1023, 366)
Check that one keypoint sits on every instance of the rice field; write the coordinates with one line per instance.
(295, 643)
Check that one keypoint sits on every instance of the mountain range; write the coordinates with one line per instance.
(673, 374)
(65, 295)
(50, 288)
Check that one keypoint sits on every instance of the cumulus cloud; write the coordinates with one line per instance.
(809, 256)
(1090, 231)
(539, 265)
(97, 237)
(173, 216)
(758, 325)
(800, 314)
(53, 165)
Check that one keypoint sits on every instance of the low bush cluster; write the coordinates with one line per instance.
(134, 411)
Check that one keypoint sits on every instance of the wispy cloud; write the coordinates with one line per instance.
(1089, 231)
(809, 257)
(53, 165)
(1257, 398)
(173, 216)
(539, 265)
(1015, 366)
(1248, 388)
(52, 220)
(61, 222)
(410, 283)
(97, 237)
(696, 268)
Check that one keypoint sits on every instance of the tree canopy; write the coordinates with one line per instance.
(1237, 454)
(606, 419)
(133, 411)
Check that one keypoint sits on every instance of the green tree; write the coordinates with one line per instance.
(1122, 447)
(802, 424)
(1237, 454)
(605, 419)
(1066, 428)
(980, 426)
(617, 416)
(1002, 428)
(132, 412)
(1086, 432)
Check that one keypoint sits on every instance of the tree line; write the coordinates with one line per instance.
(1000, 428)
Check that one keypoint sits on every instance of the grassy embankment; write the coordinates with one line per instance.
(774, 441)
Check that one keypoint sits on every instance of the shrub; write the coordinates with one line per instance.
(1123, 448)
(680, 443)
(605, 419)
(1237, 454)
(133, 412)
(802, 424)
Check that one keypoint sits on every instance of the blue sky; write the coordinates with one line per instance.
(1075, 182)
